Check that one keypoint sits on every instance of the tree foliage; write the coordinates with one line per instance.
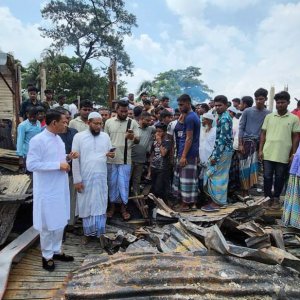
(63, 76)
(95, 28)
(173, 83)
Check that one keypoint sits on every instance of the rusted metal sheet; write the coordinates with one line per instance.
(180, 276)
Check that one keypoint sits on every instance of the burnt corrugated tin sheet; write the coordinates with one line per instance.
(180, 276)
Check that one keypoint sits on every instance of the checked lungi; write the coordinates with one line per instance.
(216, 179)
(291, 209)
(249, 164)
(185, 182)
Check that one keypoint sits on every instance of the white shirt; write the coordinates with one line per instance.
(73, 110)
(51, 195)
(235, 132)
(65, 106)
(91, 169)
(207, 143)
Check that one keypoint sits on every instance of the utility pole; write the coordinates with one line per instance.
(112, 86)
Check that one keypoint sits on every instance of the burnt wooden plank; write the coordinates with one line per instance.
(10, 251)
(27, 294)
(14, 198)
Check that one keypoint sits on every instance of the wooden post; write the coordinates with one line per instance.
(112, 86)
(271, 98)
(43, 81)
(78, 99)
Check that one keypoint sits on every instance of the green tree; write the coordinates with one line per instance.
(95, 28)
(175, 82)
(63, 77)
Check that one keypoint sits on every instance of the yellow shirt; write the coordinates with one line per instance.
(116, 129)
(279, 131)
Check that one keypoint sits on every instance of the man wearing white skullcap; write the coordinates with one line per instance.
(90, 176)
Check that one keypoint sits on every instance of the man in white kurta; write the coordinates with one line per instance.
(90, 176)
(51, 198)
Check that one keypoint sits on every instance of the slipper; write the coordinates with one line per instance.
(209, 208)
(48, 264)
(193, 207)
(63, 257)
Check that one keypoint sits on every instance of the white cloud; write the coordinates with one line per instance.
(22, 40)
(140, 75)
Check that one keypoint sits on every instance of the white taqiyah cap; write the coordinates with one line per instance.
(208, 116)
(94, 115)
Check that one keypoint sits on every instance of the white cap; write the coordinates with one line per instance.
(208, 116)
(124, 99)
(233, 109)
(94, 115)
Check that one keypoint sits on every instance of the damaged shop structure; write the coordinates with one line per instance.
(239, 252)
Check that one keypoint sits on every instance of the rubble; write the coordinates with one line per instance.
(182, 252)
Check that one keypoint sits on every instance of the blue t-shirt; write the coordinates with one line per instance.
(191, 123)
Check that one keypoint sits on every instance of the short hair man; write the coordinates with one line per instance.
(105, 115)
(217, 175)
(236, 103)
(140, 151)
(185, 181)
(279, 140)
(123, 133)
(90, 176)
(26, 131)
(47, 160)
(250, 125)
(49, 101)
(61, 102)
(166, 116)
(81, 122)
(32, 101)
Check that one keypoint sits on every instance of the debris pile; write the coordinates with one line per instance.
(237, 251)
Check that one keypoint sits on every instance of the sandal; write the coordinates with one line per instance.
(111, 211)
(48, 264)
(193, 207)
(184, 208)
(125, 214)
(209, 208)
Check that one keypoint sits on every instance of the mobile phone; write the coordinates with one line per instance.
(112, 149)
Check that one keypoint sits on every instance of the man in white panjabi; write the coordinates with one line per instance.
(51, 197)
(207, 140)
(90, 177)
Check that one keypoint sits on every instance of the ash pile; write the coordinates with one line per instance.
(238, 252)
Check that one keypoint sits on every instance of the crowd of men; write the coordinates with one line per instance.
(86, 162)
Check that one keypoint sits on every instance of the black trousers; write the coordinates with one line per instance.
(272, 168)
(160, 182)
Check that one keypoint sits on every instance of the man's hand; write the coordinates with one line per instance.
(73, 155)
(260, 155)
(129, 135)
(79, 187)
(242, 149)
(183, 162)
(111, 154)
(64, 167)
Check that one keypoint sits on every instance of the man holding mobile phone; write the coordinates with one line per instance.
(123, 133)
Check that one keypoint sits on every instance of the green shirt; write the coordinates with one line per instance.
(116, 129)
(279, 131)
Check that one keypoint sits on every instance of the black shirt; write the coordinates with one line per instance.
(26, 104)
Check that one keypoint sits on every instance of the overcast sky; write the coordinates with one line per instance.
(240, 45)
